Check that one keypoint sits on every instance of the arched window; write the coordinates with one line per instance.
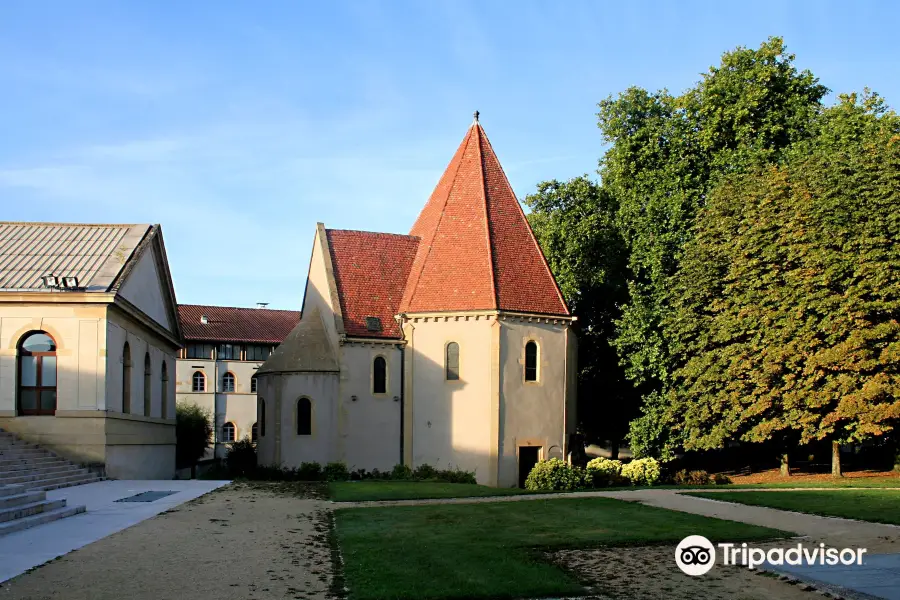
(148, 385)
(198, 382)
(261, 416)
(37, 374)
(304, 416)
(126, 378)
(164, 396)
(253, 384)
(531, 361)
(379, 375)
(228, 432)
(227, 382)
(452, 361)
(254, 433)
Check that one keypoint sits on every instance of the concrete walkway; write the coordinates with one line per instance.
(32, 547)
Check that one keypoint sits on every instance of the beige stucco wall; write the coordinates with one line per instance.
(280, 445)
(143, 288)
(370, 426)
(80, 334)
(532, 413)
(450, 422)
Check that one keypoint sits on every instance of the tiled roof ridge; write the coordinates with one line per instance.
(238, 307)
(60, 224)
(410, 291)
(487, 215)
(364, 232)
(530, 230)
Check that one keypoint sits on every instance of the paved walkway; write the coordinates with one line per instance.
(29, 548)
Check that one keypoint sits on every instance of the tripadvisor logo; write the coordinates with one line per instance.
(695, 555)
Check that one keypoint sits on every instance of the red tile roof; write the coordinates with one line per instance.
(370, 270)
(477, 249)
(230, 324)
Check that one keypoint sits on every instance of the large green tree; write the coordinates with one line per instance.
(665, 154)
(575, 223)
(784, 313)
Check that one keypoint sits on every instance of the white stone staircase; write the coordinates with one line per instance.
(21, 509)
(27, 472)
(35, 468)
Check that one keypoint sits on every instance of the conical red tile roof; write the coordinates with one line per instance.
(477, 250)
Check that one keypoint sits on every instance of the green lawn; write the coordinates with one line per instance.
(880, 506)
(358, 491)
(485, 550)
(837, 482)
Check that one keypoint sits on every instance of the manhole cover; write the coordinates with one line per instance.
(145, 497)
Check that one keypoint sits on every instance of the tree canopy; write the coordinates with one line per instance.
(785, 306)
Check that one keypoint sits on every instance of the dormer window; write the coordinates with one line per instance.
(373, 324)
(204, 320)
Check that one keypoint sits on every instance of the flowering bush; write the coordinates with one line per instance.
(554, 475)
(603, 472)
(641, 471)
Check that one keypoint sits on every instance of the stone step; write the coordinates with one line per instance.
(27, 453)
(39, 519)
(54, 483)
(29, 477)
(13, 462)
(11, 490)
(37, 469)
(25, 497)
(32, 508)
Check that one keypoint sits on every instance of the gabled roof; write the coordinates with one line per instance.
(370, 271)
(231, 324)
(96, 254)
(305, 349)
(477, 250)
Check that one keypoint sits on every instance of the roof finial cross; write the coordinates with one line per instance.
(476, 116)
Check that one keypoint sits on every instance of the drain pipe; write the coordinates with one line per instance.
(402, 389)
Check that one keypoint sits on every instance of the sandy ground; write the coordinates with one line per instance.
(650, 573)
(241, 541)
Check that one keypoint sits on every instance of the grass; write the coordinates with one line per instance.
(837, 482)
(358, 491)
(878, 506)
(483, 550)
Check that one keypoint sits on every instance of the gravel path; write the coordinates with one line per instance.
(247, 542)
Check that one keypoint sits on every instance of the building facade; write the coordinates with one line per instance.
(216, 369)
(89, 332)
(451, 346)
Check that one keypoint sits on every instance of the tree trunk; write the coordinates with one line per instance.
(614, 449)
(836, 460)
(785, 465)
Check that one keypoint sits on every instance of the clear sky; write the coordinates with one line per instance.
(239, 125)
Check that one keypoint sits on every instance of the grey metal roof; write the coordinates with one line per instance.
(96, 254)
(305, 349)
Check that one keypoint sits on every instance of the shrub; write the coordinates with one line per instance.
(685, 477)
(359, 475)
(336, 471)
(554, 475)
(456, 476)
(401, 472)
(641, 471)
(193, 433)
(241, 458)
(603, 472)
(721, 479)
(425, 472)
(309, 471)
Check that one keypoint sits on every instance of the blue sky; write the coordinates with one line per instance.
(239, 125)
